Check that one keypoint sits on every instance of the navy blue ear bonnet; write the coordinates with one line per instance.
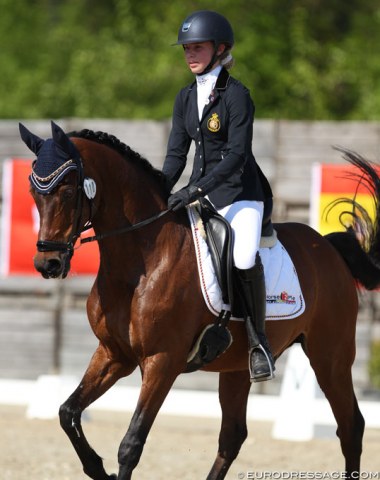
(51, 166)
(56, 157)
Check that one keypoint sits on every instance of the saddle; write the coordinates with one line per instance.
(219, 239)
(216, 338)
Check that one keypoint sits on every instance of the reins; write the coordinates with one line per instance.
(122, 230)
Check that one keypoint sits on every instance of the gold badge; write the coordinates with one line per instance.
(213, 123)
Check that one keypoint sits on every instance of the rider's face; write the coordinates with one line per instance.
(199, 55)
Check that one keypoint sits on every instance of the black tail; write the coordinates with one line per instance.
(359, 245)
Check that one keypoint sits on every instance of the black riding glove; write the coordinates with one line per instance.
(184, 197)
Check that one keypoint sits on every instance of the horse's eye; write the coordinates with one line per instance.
(67, 193)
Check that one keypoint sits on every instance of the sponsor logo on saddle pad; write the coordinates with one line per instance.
(284, 297)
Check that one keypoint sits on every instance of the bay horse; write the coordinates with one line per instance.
(146, 307)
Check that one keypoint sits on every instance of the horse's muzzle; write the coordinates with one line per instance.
(52, 265)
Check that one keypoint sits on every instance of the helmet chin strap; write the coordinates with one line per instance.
(214, 58)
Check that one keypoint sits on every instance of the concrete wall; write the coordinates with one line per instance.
(284, 149)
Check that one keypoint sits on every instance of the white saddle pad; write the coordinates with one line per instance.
(284, 296)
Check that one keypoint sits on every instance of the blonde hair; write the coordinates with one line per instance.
(227, 60)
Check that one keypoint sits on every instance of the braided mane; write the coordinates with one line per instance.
(129, 154)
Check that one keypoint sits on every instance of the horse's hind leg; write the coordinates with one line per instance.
(100, 375)
(332, 366)
(349, 420)
(233, 396)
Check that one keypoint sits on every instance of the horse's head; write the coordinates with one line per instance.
(57, 182)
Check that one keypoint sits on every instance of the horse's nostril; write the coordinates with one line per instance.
(54, 265)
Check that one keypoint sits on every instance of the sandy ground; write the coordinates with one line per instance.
(177, 448)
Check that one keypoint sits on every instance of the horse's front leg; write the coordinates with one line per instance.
(100, 375)
(159, 375)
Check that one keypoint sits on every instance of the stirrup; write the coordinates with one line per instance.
(265, 376)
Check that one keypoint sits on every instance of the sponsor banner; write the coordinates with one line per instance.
(20, 224)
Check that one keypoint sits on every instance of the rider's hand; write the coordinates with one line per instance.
(184, 197)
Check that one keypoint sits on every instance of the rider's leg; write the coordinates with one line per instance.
(252, 281)
(245, 218)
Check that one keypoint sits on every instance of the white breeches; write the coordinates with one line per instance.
(245, 218)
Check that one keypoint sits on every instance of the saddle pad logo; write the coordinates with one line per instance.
(213, 123)
(283, 297)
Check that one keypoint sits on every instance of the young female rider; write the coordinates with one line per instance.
(216, 111)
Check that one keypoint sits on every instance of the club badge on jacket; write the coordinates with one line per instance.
(213, 123)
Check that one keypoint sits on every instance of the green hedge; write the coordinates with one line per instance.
(303, 59)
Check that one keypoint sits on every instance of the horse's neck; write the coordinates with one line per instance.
(140, 199)
(126, 198)
(128, 193)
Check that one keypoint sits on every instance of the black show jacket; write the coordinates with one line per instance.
(224, 166)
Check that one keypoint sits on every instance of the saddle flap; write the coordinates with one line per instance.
(219, 240)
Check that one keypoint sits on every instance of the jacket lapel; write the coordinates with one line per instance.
(192, 106)
(221, 84)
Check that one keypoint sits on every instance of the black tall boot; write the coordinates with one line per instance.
(252, 281)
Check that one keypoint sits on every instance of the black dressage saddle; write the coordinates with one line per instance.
(216, 338)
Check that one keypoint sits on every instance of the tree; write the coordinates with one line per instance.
(301, 59)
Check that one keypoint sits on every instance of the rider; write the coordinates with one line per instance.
(216, 111)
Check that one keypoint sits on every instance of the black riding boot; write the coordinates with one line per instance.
(261, 364)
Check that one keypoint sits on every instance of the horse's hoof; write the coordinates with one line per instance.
(113, 477)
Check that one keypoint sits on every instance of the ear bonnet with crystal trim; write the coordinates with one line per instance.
(56, 157)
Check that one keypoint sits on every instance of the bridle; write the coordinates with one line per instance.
(68, 247)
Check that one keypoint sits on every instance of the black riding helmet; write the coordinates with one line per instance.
(206, 26)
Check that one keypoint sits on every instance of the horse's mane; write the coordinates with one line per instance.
(126, 151)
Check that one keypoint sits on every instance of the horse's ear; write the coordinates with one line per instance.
(33, 142)
(61, 139)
